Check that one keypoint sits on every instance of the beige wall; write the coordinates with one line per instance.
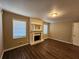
(9, 42)
(1, 40)
(61, 31)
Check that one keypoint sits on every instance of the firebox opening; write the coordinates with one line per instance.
(37, 37)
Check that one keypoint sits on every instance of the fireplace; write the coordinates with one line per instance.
(37, 36)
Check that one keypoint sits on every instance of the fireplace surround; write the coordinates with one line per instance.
(36, 37)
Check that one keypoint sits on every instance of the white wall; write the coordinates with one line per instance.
(1, 40)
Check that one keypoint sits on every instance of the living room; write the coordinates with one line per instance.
(37, 29)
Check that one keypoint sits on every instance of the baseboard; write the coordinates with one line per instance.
(11, 49)
(76, 45)
(2, 55)
(15, 47)
(61, 41)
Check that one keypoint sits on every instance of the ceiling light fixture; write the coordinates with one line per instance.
(53, 14)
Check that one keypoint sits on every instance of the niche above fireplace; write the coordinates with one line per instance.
(36, 27)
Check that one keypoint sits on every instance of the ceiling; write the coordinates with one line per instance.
(40, 8)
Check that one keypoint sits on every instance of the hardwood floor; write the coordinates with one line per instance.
(49, 49)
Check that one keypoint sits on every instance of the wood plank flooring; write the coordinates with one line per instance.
(49, 49)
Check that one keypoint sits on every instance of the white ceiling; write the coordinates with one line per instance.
(40, 8)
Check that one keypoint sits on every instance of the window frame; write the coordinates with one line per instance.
(47, 28)
(18, 19)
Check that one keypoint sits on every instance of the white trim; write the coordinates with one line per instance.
(64, 42)
(15, 47)
(11, 49)
(75, 44)
(61, 41)
(1, 55)
(1, 35)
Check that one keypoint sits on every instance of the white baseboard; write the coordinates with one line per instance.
(15, 47)
(65, 42)
(76, 44)
(1, 55)
(11, 49)
(61, 40)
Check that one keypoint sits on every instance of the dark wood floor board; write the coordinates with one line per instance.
(55, 53)
(45, 53)
(48, 49)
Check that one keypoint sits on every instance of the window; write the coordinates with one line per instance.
(45, 28)
(19, 29)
